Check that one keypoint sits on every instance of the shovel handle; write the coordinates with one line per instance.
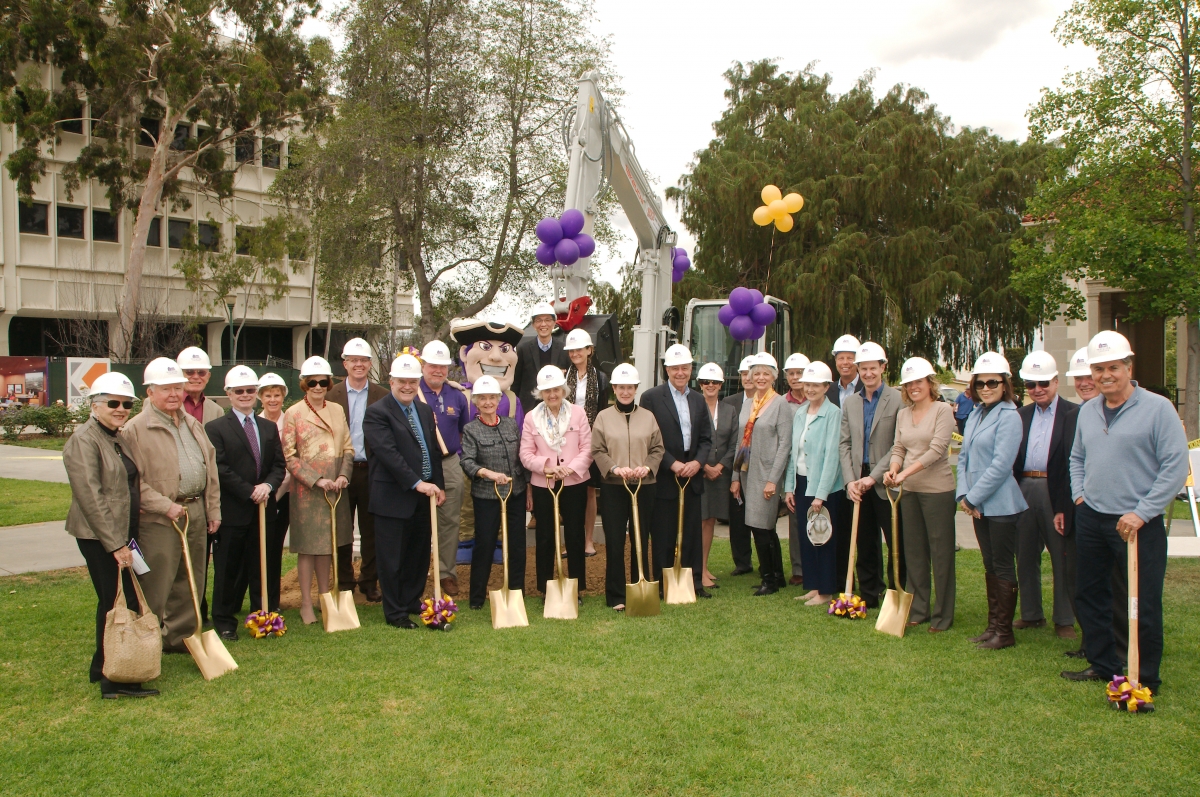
(437, 564)
(333, 535)
(558, 567)
(637, 525)
(679, 534)
(503, 525)
(262, 553)
(894, 552)
(187, 562)
(1135, 659)
(853, 548)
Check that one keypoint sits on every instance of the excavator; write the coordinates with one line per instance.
(602, 157)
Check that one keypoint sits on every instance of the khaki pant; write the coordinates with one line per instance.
(448, 516)
(166, 585)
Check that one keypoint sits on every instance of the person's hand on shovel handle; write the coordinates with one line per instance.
(1128, 525)
(431, 489)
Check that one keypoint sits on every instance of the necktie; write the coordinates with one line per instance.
(426, 467)
(248, 425)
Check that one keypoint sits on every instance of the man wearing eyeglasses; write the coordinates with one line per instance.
(1041, 470)
(250, 468)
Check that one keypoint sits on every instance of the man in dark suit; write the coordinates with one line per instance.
(405, 471)
(535, 353)
(355, 393)
(739, 533)
(250, 468)
(686, 429)
(1042, 470)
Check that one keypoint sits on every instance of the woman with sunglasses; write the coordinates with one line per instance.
(988, 492)
(105, 502)
(714, 503)
(320, 458)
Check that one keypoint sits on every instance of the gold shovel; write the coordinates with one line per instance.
(562, 593)
(508, 605)
(893, 614)
(641, 599)
(677, 582)
(338, 612)
(207, 649)
(1134, 666)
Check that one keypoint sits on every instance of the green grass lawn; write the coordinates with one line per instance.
(28, 501)
(735, 695)
(38, 441)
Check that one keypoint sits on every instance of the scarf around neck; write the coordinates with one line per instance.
(553, 428)
(591, 396)
(742, 460)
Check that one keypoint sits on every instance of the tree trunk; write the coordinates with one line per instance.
(130, 289)
(1191, 407)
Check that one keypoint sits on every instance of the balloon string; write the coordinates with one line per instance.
(770, 261)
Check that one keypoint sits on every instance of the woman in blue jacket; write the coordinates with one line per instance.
(814, 479)
(988, 492)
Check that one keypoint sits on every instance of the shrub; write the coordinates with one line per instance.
(55, 420)
(13, 422)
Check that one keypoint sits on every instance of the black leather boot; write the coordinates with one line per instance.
(1006, 608)
(990, 583)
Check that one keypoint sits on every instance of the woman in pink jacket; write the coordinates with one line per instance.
(556, 444)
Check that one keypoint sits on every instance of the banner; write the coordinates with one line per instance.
(81, 372)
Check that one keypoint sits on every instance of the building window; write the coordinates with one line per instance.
(182, 134)
(271, 150)
(148, 137)
(100, 128)
(243, 149)
(104, 226)
(154, 234)
(70, 222)
(208, 236)
(243, 238)
(178, 231)
(70, 117)
(34, 218)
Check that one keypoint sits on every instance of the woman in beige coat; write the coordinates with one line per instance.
(320, 458)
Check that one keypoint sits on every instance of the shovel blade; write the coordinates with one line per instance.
(641, 599)
(210, 654)
(338, 612)
(678, 587)
(893, 614)
(562, 599)
(508, 608)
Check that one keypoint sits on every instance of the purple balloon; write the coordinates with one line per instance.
(726, 314)
(758, 297)
(586, 244)
(681, 262)
(677, 275)
(571, 222)
(566, 251)
(741, 300)
(758, 332)
(549, 231)
(545, 254)
(742, 328)
(762, 315)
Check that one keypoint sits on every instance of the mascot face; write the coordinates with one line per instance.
(489, 358)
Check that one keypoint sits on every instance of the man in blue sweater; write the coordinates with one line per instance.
(1129, 461)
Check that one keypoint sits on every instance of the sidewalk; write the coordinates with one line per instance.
(37, 546)
(17, 462)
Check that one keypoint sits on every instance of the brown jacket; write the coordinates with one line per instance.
(620, 441)
(337, 394)
(153, 449)
(99, 487)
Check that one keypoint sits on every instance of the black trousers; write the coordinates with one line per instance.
(841, 534)
(572, 507)
(616, 512)
(1100, 549)
(664, 531)
(874, 569)
(819, 561)
(770, 554)
(402, 548)
(998, 546)
(739, 536)
(487, 531)
(235, 568)
(103, 570)
(276, 532)
(1120, 591)
(359, 496)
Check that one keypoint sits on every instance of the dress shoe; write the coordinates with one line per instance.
(1029, 623)
(403, 622)
(177, 649)
(1075, 654)
(111, 691)
(703, 593)
(450, 586)
(766, 588)
(372, 593)
(476, 606)
(1083, 675)
(1065, 632)
(741, 571)
(228, 636)
(796, 581)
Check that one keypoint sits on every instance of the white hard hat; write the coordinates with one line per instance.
(405, 367)
(436, 353)
(677, 354)
(991, 363)
(486, 386)
(711, 371)
(816, 372)
(163, 371)
(315, 366)
(626, 374)
(1038, 365)
(765, 358)
(870, 352)
(272, 379)
(1079, 363)
(846, 343)
(915, 368)
(550, 377)
(1108, 346)
(577, 339)
(240, 376)
(194, 357)
(795, 361)
(112, 383)
(356, 347)
(745, 364)
(542, 308)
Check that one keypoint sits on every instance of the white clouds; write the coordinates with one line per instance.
(958, 30)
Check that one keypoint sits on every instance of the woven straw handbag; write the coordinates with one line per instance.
(132, 642)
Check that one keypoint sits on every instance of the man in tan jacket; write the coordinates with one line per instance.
(179, 476)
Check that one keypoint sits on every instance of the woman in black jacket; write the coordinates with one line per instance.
(587, 386)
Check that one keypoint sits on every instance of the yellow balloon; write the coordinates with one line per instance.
(794, 203)
(783, 223)
(770, 194)
(778, 209)
(762, 215)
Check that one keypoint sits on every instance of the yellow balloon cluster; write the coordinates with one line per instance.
(777, 208)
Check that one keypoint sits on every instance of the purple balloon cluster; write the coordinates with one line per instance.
(679, 264)
(747, 315)
(563, 239)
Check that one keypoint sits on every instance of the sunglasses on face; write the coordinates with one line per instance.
(242, 391)
(194, 372)
(1031, 385)
(991, 384)
(114, 403)
(317, 383)
(704, 382)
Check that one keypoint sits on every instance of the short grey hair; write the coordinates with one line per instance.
(96, 398)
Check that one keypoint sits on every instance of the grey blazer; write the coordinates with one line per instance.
(770, 448)
(883, 436)
(715, 501)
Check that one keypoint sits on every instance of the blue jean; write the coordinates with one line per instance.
(818, 562)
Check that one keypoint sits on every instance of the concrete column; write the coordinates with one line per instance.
(212, 340)
(299, 352)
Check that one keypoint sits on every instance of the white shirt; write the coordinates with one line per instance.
(685, 414)
(801, 464)
(580, 389)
